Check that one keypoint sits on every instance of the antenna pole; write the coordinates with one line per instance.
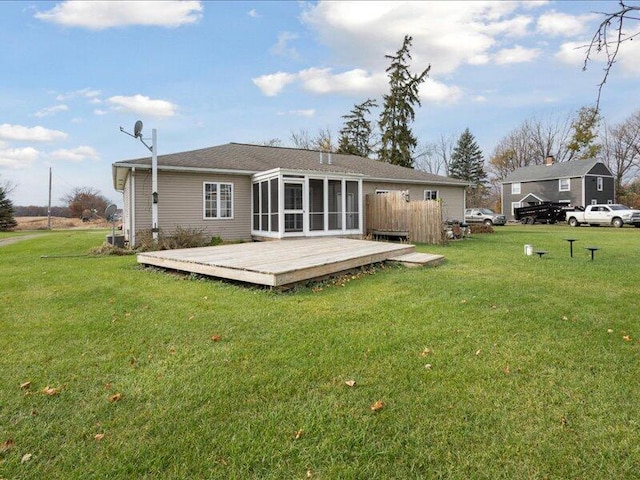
(154, 184)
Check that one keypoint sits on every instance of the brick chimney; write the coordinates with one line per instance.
(549, 160)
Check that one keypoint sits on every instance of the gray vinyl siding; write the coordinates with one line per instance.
(180, 203)
(546, 190)
(591, 189)
(452, 196)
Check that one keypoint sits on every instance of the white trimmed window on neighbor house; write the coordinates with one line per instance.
(564, 184)
(514, 205)
(430, 194)
(599, 184)
(217, 200)
(515, 188)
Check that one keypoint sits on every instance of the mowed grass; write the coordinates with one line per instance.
(534, 366)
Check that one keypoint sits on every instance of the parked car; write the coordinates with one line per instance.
(615, 215)
(483, 215)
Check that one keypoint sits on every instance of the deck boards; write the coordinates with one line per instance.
(277, 263)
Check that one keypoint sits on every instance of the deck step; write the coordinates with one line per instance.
(417, 259)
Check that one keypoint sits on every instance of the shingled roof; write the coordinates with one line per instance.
(533, 173)
(250, 159)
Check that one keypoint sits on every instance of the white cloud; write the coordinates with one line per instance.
(557, 24)
(143, 105)
(282, 47)
(516, 54)
(99, 111)
(30, 134)
(356, 81)
(17, 158)
(49, 111)
(99, 15)
(75, 155)
(272, 84)
(85, 92)
(572, 53)
(432, 91)
(253, 13)
(310, 112)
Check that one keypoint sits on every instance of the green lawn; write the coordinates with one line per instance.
(534, 366)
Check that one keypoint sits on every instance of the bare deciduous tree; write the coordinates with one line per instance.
(621, 149)
(609, 37)
(435, 157)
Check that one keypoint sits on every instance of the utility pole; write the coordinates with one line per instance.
(49, 207)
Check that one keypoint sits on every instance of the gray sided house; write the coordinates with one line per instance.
(244, 192)
(576, 183)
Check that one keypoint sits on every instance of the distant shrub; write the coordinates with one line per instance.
(108, 249)
(215, 241)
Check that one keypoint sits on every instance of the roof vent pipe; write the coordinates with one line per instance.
(329, 158)
(320, 158)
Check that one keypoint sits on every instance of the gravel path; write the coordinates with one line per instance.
(10, 240)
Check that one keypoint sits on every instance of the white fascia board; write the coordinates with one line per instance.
(170, 168)
(416, 182)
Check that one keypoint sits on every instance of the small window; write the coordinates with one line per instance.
(515, 188)
(218, 200)
(599, 184)
(594, 201)
(514, 205)
(431, 194)
(609, 202)
(564, 184)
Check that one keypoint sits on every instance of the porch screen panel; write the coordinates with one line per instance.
(274, 205)
(256, 206)
(335, 204)
(226, 200)
(353, 206)
(316, 204)
(210, 200)
(264, 205)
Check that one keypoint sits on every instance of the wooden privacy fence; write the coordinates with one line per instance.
(391, 214)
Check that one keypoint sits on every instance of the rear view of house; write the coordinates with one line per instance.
(576, 183)
(243, 192)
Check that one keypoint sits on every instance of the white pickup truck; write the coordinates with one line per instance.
(615, 215)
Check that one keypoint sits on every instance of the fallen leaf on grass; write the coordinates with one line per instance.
(98, 436)
(298, 434)
(191, 317)
(172, 351)
(627, 338)
(350, 383)
(216, 338)
(26, 457)
(609, 330)
(108, 386)
(506, 370)
(478, 352)
(428, 366)
(115, 397)
(51, 391)
(309, 474)
(425, 352)
(6, 445)
(376, 407)
(25, 385)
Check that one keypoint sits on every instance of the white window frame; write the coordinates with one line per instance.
(429, 195)
(218, 203)
(600, 184)
(514, 205)
(594, 201)
(516, 188)
(567, 187)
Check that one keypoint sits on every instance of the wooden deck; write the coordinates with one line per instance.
(278, 263)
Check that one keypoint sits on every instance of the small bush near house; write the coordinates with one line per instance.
(181, 238)
(481, 228)
(215, 241)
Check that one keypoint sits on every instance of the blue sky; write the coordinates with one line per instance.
(209, 73)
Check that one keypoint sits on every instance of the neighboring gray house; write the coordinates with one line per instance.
(576, 183)
(244, 192)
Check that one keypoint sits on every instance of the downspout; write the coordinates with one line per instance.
(132, 209)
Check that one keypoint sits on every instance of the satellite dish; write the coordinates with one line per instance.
(137, 129)
(110, 211)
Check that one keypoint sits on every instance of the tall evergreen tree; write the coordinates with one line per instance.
(467, 163)
(7, 221)
(397, 140)
(357, 132)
